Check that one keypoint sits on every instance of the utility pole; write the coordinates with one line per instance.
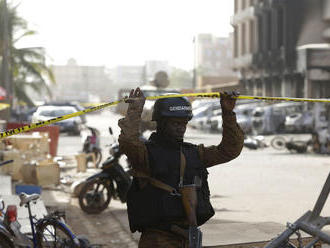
(6, 70)
(194, 79)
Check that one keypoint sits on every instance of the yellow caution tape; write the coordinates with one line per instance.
(102, 106)
(265, 98)
(4, 106)
(54, 120)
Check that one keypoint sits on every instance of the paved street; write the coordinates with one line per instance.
(254, 195)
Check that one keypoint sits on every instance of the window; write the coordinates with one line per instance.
(280, 28)
(258, 113)
(235, 42)
(260, 32)
(252, 36)
(243, 43)
(243, 4)
(268, 31)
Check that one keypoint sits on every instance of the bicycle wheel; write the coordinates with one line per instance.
(52, 233)
(5, 242)
(95, 196)
(278, 143)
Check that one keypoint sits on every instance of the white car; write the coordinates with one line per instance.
(216, 121)
(202, 116)
(72, 125)
(299, 122)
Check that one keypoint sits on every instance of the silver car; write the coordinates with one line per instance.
(72, 125)
(299, 122)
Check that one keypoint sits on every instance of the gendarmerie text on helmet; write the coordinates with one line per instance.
(178, 108)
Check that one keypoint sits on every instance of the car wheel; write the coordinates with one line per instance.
(75, 130)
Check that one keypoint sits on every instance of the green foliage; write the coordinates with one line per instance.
(28, 65)
(180, 79)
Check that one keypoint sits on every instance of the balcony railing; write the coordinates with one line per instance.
(243, 15)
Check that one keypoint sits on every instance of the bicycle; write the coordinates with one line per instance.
(311, 223)
(50, 231)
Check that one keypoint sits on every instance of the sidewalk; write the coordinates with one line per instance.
(101, 229)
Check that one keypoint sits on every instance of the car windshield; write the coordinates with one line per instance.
(46, 113)
(200, 111)
(258, 113)
(56, 112)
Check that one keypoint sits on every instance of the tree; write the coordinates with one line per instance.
(180, 79)
(27, 65)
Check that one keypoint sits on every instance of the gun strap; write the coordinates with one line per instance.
(182, 167)
(155, 182)
(159, 184)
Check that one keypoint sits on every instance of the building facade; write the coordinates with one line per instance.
(281, 47)
(213, 62)
(128, 76)
(80, 83)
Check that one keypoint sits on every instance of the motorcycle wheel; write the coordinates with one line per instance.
(95, 196)
(278, 143)
(98, 157)
(299, 146)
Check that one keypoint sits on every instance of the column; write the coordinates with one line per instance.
(307, 85)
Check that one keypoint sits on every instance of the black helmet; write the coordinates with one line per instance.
(172, 107)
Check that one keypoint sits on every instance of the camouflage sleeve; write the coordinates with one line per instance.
(230, 147)
(129, 141)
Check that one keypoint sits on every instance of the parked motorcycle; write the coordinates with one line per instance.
(255, 142)
(112, 182)
(91, 144)
(299, 146)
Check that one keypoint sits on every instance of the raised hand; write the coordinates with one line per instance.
(228, 101)
(136, 99)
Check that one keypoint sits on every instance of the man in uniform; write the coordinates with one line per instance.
(169, 197)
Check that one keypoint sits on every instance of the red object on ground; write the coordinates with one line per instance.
(3, 93)
(53, 134)
(11, 213)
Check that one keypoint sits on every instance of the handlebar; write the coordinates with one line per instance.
(284, 236)
(6, 162)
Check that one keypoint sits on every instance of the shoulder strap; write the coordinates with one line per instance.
(201, 151)
(182, 167)
(159, 184)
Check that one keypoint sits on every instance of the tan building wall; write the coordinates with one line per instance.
(269, 41)
(213, 59)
